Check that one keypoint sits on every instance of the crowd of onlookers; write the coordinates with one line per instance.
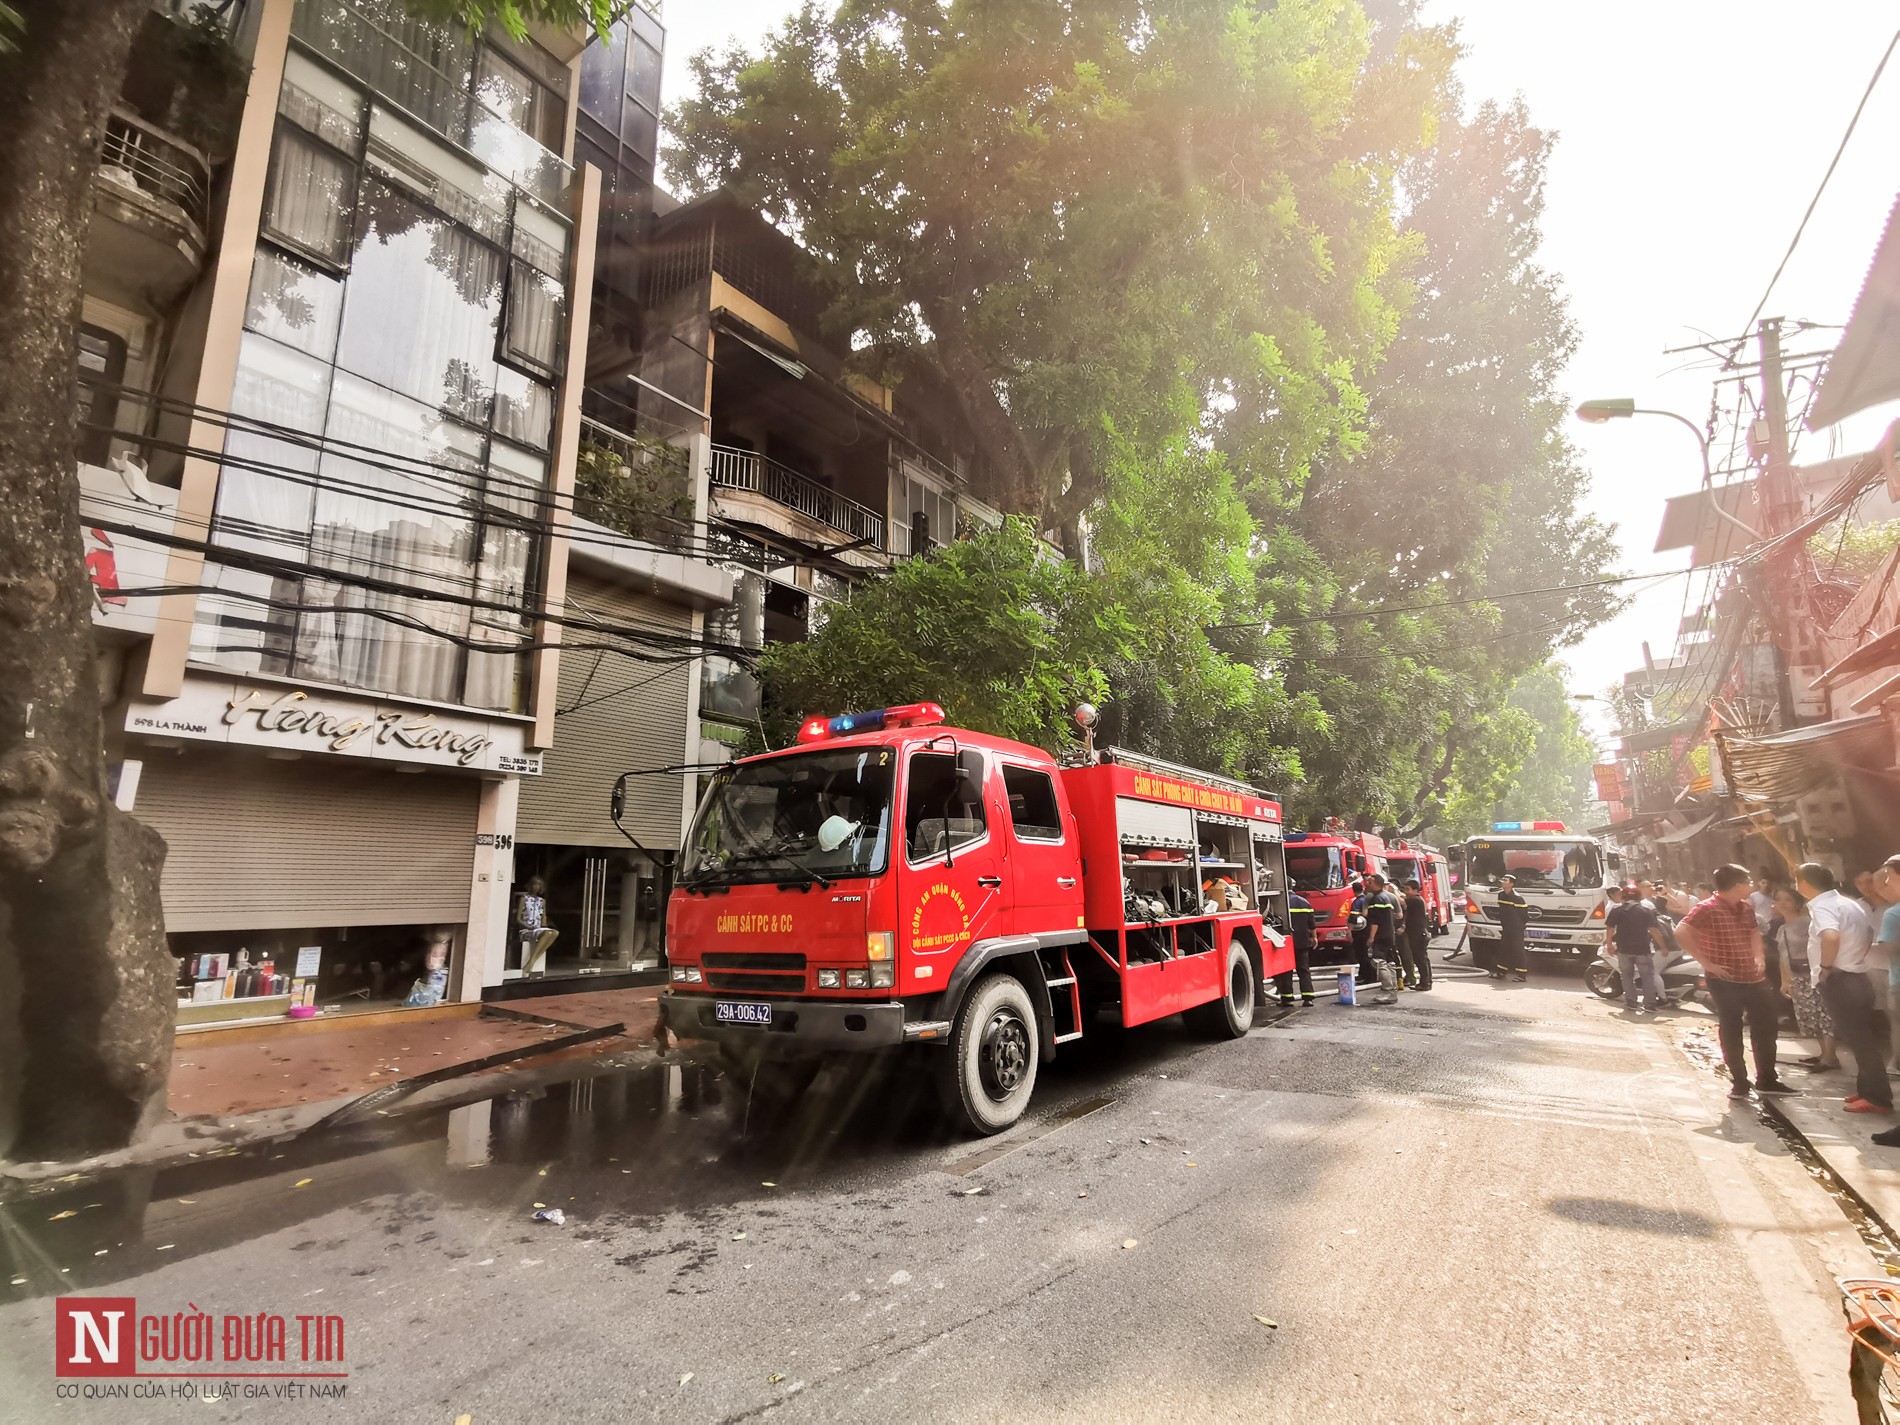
(1803, 947)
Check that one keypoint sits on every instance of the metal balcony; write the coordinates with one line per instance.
(735, 469)
(152, 207)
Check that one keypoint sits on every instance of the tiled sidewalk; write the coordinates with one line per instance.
(223, 1079)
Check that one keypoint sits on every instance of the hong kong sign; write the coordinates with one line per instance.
(289, 718)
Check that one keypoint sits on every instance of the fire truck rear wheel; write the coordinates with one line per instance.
(1230, 1016)
(990, 1072)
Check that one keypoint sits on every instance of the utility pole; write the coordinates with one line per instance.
(1785, 609)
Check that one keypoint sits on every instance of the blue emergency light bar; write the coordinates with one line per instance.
(818, 729)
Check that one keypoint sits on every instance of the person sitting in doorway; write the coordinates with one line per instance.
(531, 925)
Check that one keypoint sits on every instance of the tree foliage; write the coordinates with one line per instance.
(1465, 492)
(1095, 221)
(1531, 761)
(1001, 630)
(1247, 289)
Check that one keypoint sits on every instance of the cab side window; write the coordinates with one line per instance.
(1032, 804)
(938, 814)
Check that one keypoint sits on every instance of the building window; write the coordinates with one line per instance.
(382, 449)
(923, 514)
(101, 371)
(311, 192)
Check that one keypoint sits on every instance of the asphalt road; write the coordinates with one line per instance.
(1489, 1202)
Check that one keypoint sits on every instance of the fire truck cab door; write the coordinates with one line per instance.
(1045, 854)
(954, 888)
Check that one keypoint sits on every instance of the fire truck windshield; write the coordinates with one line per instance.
(1314, 868)
(1565, 865)
(1405, 868)
(824, 814)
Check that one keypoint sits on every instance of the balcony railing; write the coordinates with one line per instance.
(746, 470)
(141, 158)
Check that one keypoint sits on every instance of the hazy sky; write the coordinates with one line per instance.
(1691, 135)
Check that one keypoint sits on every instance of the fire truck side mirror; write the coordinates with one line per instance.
(617, 805)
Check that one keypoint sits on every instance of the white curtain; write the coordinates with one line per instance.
(310, 195)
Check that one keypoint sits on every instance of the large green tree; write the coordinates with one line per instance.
(83, 962)
(1463, 494)
(1092, 220)
(1531, 761)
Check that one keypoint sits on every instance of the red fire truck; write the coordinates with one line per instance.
(1413, 861)
(1322, 865)
(889, 881)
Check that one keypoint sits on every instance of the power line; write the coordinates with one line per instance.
(1812, 202)
(1341, 615)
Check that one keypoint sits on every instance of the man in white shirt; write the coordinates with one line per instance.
(1841, 952)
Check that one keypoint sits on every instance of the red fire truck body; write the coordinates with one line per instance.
(890, 881)
(1412, 861)
(1322, 865)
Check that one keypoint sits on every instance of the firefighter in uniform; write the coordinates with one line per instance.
(1300, 912)
(1514, 913)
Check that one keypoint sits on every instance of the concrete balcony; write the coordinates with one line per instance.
(151, 208)
(749, 488)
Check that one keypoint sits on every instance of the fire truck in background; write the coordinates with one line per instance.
(890, 882)
(1564, 877)
(1322, 865)
(1412, 861)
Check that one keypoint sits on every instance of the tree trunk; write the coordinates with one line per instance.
(78, 879)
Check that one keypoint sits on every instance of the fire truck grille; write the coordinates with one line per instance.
(755, 971)
(1563, 915)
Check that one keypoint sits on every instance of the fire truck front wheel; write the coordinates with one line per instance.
(989, 1073)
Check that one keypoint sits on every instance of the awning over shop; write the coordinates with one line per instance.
(1785, 765)
(1692, 521)
(1865, 367)
(1880, 652)
(1650, 739)
(1681, 834)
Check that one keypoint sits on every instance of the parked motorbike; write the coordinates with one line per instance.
(1681, 977)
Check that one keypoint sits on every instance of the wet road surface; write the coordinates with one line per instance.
(1486, 1203)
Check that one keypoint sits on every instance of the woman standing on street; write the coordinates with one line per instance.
(1809, 1013)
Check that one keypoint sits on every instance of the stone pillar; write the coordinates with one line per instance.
(485, 947)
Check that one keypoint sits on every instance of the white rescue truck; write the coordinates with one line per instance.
(1561, 874)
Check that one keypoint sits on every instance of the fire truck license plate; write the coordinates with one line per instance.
(1538, 934)
(742, 1012)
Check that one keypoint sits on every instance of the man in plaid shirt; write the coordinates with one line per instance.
(1722, 934)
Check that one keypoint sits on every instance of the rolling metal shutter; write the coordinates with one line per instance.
(615, 714)
(257, 844)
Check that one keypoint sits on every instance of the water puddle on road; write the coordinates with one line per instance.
(623, 1145)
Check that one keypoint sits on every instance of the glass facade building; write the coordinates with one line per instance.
(385, 486)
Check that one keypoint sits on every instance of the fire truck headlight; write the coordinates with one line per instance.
(880, 945)
(827, 979)
(883, 975)
(857, 979)
(686, 974)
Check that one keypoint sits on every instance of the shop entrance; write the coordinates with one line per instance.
(606, 906)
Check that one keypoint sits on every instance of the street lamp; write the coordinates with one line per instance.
(1601, 412)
